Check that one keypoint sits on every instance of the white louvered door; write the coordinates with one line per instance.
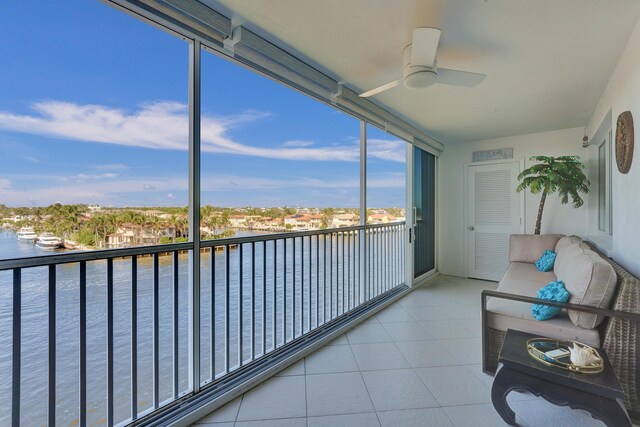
(493, 213)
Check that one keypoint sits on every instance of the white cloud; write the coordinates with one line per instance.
(111, 167)
(171, 196)
(297, 143)
(97, 175)
(387, 149)
(4, 184)
(31, 159)
(164, 125)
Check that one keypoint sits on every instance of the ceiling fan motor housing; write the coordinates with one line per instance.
(417, 76)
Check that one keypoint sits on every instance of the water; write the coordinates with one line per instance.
(308, 288)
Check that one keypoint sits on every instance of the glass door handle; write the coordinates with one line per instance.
(415, 216)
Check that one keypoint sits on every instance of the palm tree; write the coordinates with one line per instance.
(555, 174)
(172, 222)
(152, 223)
(207, 217)
(327, 217)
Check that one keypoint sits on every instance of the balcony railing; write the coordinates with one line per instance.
(103, 336)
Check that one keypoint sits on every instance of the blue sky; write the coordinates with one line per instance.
(93, 110)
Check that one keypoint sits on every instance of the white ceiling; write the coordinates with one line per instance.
(547, 61)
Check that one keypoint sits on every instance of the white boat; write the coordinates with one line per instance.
(26, 234)
(48, 241)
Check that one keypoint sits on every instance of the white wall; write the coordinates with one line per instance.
(622, 94)
(557, 218)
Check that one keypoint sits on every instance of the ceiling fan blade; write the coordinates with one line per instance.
(459, 78)
(424, 46)
(380, 88)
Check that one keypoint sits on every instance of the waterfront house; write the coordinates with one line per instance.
(380, 218)
(344, 220)
(303, 221)
(379, 324)
(237, 221)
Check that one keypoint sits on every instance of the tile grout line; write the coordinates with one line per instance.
(306, 401)
(365, 384)
(235, 419)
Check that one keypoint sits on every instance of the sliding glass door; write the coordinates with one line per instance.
(423, 212)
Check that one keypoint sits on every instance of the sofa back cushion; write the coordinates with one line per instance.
(567, 241)
(589, 279)
(530, 247)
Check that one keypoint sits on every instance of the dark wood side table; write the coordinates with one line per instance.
(599, 394)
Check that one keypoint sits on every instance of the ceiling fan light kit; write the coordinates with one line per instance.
(417, 76)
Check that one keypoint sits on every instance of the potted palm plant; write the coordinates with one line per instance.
(562, 175)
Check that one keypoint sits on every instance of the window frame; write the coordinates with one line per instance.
(604, 147)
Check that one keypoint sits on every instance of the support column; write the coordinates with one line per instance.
(364, 268)
(194, 215)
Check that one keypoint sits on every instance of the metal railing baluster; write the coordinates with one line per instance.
(274, 314)
(343, 273)
(309, 293)
(134, 337)
(110, 342)
(324, 282)
(317, 281)
(386, 259)
(331, 277)
(368, 254)
(227, 319)
(156, 330)
(83, 344)
(176, 310)
(394, 241)
(241, 305)
(293, 292)
(212, 318)
(302, 292)
(284, 297)
(379, 259)
(264, 297)
(352, 288)
(253, 301)
(51, 407)
(16, 347)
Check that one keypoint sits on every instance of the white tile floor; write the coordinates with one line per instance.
(416, 363)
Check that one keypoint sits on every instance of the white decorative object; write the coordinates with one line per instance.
(496, 154)
(582, 356)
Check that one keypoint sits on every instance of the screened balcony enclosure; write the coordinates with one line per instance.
(243, 235)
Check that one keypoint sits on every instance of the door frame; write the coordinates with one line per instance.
(409, 247)
(465, 203)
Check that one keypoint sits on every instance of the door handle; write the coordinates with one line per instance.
(415, 216)
(470, 228)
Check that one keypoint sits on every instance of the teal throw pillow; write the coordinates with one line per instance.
(554, 291)
(545, 262)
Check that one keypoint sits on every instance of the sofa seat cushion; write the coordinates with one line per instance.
(524, 279)
(518, 316)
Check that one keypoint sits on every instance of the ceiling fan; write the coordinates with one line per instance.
(420, 66)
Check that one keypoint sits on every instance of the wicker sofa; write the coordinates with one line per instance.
(610, 322)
